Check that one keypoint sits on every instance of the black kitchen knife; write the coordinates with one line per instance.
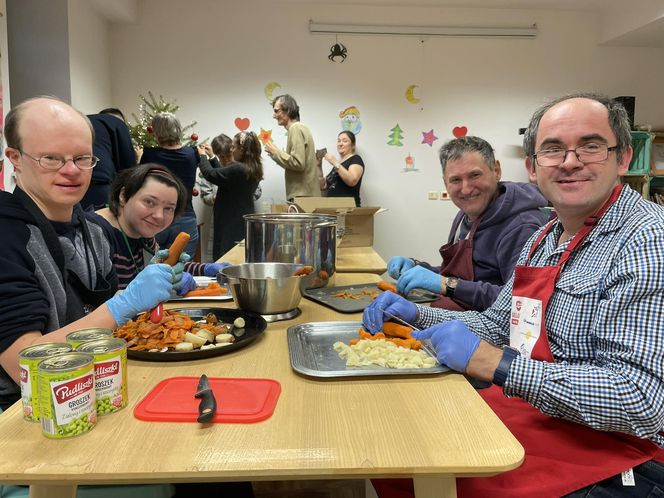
(208, 406)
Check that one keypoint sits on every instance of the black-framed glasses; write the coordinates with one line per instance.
(589, 153)
(277, 111)
(54, 163)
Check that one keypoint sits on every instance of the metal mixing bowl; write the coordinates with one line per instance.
(266, 288)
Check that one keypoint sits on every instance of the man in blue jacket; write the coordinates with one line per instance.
(494, 222)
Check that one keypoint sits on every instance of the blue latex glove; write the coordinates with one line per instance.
(419, 278)
(211, 269)
(150, 287)
(185, 284)
(399, 265)
(176, 269)
(374, 314)
(453, 342)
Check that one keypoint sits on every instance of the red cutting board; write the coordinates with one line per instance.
(238, 400)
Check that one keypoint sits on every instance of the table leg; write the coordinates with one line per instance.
(435, 487)
(52, 491)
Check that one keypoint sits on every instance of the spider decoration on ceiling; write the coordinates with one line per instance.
(338, 50)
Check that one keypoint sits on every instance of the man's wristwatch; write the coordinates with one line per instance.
(500, 375)
(450, 286)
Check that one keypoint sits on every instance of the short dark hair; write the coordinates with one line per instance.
(14, 116)
(349, 134)
(221, 145)
(115, 111)
(289, 106)
(454, 149)
(129, 181)
(618, 121)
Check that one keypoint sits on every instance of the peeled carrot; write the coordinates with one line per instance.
(386, 286)
(397, 330)
(212, 289)
(176, 248)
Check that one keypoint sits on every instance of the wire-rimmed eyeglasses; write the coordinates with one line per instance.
(587, 154)
(54, 163)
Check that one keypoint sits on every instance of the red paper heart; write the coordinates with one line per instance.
(242, 123)
(459, 131)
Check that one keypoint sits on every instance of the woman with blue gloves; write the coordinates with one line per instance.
(145, 200)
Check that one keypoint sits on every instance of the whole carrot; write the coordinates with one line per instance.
(178, 245)
(386, 286)
(176, 248)
(397, 330)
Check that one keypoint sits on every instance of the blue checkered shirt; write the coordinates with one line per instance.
(605, 324)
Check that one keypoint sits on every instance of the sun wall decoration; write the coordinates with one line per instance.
(265, 136)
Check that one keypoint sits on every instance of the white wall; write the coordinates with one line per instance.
(216, 57)
(89, 58)
(4, 80)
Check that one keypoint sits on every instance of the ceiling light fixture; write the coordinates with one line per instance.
(459, 31)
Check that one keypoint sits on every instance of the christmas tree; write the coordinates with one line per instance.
(396, 136)
(141, 131)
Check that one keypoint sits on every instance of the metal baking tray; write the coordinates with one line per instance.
(311, 350)
(326, 296)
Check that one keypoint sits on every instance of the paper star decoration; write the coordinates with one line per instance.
(429, 138)
(265, 136)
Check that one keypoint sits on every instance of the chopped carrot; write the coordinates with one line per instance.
(305, 270)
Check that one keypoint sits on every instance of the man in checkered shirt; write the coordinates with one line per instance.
(590, 349)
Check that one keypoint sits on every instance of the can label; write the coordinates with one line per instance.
(110, 366)
(78, 337)
(67, 395)
(28, 360)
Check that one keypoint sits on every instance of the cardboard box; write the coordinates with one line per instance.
(657, 155)
(357, 223)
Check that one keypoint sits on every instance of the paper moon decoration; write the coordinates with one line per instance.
(269, 88)
(410, 97)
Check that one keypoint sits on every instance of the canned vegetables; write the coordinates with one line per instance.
(110, 366)
(28, 360)
(67, 395)
(78, 337)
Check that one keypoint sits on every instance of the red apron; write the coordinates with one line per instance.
(457, 262)
(561, 456)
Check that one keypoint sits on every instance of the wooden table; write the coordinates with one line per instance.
(349, 259)
(432, 428)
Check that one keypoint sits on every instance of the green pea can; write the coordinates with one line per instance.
(78, 337)
(110, 363)
(28, 361)
(67, 395)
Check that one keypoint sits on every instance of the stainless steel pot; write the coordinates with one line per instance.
(306, 239)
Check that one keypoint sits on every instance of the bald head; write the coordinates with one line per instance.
(40, 109)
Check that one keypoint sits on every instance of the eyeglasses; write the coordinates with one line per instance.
(587, 154)
(277, 111)
(54, 163)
